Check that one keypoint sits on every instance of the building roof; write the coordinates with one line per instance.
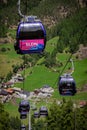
(3, 92)
(9, 90)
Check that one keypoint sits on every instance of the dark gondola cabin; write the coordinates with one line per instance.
(67, 85)
(43, 111)
(30, 37)
(23, 115)
(24, 106)
(23, 109)
(23, 127)
(36, 114)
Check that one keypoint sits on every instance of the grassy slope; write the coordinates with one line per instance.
(51, 44)
(41, 76)
(7, 59)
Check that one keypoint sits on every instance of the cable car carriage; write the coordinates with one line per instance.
(67, 85)
(24, 108)
(36, 114)
(43, 111)
(23, 127)
(30, 37)
(23, 115)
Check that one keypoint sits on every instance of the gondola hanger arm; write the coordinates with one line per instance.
(19, 10)
(26, 18)
(72, 66)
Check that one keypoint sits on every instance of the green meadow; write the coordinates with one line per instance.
(8, 58)
(42, 75)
